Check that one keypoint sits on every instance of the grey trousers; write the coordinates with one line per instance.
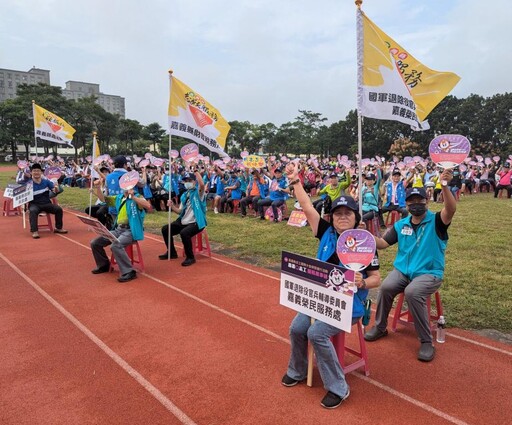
(118, 249)
(416, 292)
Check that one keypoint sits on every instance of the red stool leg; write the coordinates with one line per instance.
(339, 342)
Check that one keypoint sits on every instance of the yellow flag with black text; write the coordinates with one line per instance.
(392, 84)
(51, 127)
(192, 117)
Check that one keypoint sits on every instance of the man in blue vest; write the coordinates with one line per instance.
(191, 220)
(419, 264)
(112, 180)
(129, 226)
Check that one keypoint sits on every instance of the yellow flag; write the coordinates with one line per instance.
(392, 84)
(96, 147)
(51, 127)
(192, 117)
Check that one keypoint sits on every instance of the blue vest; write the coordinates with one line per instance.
(277, 195)
(198, 206)
(421, 251)
(135, 217)
(263, 187)
(112, 183)
(400, 194)
(326, 248)
(235, 193)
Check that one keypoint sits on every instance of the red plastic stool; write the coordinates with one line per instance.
(434, 316)
(362, 355)
(201, 244)
(137, 261)
(8, 209)
(45, 226)
(392, 217)
(373, 226)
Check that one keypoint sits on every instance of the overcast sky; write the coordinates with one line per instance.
(259, 61)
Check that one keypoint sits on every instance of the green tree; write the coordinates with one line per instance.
(154, 133)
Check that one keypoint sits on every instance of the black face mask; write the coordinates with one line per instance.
(417, 210)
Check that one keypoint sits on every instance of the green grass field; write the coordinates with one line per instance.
(476, 293)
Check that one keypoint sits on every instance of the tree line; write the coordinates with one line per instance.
(485, 121)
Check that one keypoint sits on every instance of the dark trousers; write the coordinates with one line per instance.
(402, 210)
(186, 233)
(501, 186)
(35, 209)
(249, 200)
(101, 213)
(265, 203)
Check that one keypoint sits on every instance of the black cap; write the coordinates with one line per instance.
(344, 201)
(507, 165)
(333, 175)
(415, 191)
(189, 176)
(396, 171)
(119, 161)
(36, 166)
(370, 176)
(278, 170)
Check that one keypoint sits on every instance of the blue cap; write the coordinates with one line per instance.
(416, 191)
(189, 176)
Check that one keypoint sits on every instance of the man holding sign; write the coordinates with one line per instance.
(42, 203)
(419, 264)
(345, 216)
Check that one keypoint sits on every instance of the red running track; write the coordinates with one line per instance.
(205, 344)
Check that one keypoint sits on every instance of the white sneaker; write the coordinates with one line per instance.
(215, 210)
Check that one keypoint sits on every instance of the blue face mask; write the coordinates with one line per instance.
(188, 185)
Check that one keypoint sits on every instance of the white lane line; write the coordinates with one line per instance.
(465, 339)
(378, 384)
(411, 400)
(480, 344)
(168, 404)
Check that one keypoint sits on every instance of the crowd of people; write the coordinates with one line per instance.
(327, 192)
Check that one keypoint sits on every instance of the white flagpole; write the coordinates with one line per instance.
(34, 114)
(170, 185)
(359, 38)
(94, 142)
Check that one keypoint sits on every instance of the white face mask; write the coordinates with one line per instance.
(188, 185)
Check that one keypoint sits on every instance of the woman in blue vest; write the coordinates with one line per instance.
(191, 219)
(419, 264)
(345, 216)
(232, 192)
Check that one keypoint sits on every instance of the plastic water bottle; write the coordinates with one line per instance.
(441, 330)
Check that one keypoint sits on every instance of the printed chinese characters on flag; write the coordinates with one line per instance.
(192, 117)
(392, 84)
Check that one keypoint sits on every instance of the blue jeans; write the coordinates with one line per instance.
(319, 333)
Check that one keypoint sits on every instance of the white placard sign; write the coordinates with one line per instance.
(22, 195)
(317, 289)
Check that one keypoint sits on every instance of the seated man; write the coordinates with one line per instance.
(278, 194)
(42, 203)
(418, 270)
(394, 196)
(128, 227)
(191, 220)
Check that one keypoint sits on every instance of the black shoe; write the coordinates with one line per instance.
(188, 262)
(262, 218)
(103, 269)
(166, 255)
(276, 220)
(289, 382)
(331, 400)
(128, 276)
(427, 352)
(374, 334)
